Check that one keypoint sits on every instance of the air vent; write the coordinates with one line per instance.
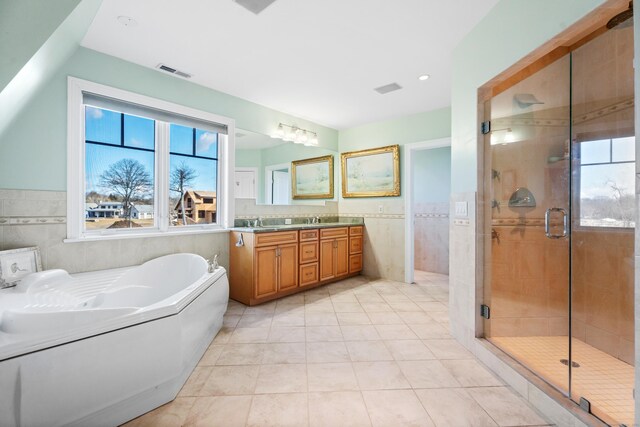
(255, 6)
(388, 88)
(174, 71)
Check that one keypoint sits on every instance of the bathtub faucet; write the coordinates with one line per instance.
(213, 265)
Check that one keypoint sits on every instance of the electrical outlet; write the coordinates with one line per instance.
(287, 221)
(380, 208)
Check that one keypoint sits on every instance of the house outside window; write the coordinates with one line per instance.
(144, 166)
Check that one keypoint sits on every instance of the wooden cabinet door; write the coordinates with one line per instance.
(327, 259)
(266, 273)
(342, 256)
(287, 266)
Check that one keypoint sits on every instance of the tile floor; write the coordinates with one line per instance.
(354, 353)
(605, 381)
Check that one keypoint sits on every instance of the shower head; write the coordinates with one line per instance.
(622, 17)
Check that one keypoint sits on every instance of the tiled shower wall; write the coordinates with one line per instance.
(38, 218)
(431, 237)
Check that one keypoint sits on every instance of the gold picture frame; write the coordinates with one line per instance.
(312, 178)
(371, 173)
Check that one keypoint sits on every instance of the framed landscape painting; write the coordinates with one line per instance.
(371, 173)
(312, 178)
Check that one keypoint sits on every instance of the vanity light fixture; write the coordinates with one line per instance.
(295, 134)
(424, 77)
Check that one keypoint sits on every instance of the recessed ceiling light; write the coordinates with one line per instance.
(424, 77)
(127, 21)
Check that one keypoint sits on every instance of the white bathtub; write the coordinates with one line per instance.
(101, 348)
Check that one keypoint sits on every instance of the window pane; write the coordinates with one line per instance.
(607, 195)
(206, 144)
(181, 138)
(595, 152)
(197, 180)
(102, 125)
(119, 190)
(139, 132)
(624, 149)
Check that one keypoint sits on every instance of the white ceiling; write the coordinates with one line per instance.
(315, 59)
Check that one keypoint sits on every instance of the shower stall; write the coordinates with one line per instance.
(560, 207)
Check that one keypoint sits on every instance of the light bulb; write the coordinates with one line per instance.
(279, 133)
(313, 140)
(304, 138)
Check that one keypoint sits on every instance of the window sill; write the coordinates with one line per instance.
(142, 235)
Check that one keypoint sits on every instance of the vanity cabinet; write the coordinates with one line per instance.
(269, 265)
(334, 253)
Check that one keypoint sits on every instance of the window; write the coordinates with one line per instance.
(141, 166)
(607, 183)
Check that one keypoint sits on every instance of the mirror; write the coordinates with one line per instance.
(263, 168)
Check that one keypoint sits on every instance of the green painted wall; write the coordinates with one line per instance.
(25, 25)
(510, 31)
(432, 174)
(33, 148)
(420, 127)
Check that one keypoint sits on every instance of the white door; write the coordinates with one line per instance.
(281, 186)
(245, 184)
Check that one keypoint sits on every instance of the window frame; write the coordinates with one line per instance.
(76, 166)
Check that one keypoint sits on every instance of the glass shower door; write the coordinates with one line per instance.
(527, 186)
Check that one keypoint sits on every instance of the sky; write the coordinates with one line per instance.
(105, 126)
(596, 179)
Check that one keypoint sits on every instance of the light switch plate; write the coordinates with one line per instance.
(287, 221)
(462, 209)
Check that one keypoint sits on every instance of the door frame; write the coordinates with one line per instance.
(255, 177)
(409, 222)
(268, 180)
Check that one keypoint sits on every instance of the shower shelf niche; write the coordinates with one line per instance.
(522, 198)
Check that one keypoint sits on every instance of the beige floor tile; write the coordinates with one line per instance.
(327, 352)
(395, 408)
(223, 335)
(249, 335)
(376, 307)
(264, 308)
(440, 316)
(282, 353)
(415, 317)
(255, 321)
(448, 349)
(404, 306)
(236, 308)
(380, 376)
(319, 307)
(453, 407)
(344, 297)
(331, 377)
(427, 374)
(432, 306)
(341, 408)
(230, 380)
(471, 373)
(385, 319)
(369, 297)
(324, 333)
(241, 354)
(279, 410)
(172, 414)
(282, 379)
(360, 333)
(219, 411)
(397, 332)
(287, 334)
(430, 331)
(505, 407)
(196, 380)
(231, 320)
(409, 350)
(368, 351)
(347, 319)
(211, 355)
(288, 319)
(320, 319)
(347, 306)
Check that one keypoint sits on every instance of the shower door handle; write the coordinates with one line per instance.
(547, 223)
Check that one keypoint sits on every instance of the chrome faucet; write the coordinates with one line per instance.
(316, 220)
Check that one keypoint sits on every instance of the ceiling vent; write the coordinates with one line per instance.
(174, 71)
(388, 88)
(255, 6)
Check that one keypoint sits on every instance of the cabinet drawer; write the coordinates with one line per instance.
(308, 252)
(308, 274)
(308, 235)
(355, 263)
(356, 231)
(327, 233)
(265, 239)
(355, 244)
